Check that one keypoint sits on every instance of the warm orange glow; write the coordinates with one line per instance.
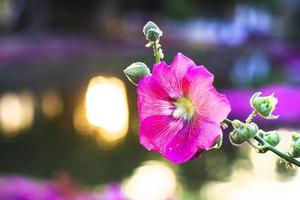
(107, 107)
(80, 121)
(52, 104)
(16, 112)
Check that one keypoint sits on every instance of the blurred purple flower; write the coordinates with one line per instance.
(113, 192)
(179, 109)
(87, 196)
(20, 188)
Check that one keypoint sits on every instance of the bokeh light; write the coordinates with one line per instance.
(52, 104)
(80, 122)
(105, 111)
(152, 180)
(16, 112)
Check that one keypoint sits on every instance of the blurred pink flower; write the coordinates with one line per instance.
(179, 109)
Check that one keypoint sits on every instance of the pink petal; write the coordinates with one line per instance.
(171, 77)
(152, 99)
(207, 101)
(200, 73)
(156, 131)
(182, 147)
(181, 64)
(186, 143)
(217, 106)
(208, 132)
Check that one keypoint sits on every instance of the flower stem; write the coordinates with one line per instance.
(227, 121)
(156, 54)
(277, 151)
(266, 146)
(250, 117)
(255, 146)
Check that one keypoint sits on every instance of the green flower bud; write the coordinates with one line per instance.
(135, 71)
(294, 150)
(237, 123)
(218, 143)
(271, 137)
(149, 25)
(242, 132)
(152, 31)
(264, 105)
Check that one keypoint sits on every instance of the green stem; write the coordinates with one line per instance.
(227, 121)
(250, 117)
(255, 146)
(156, 54)
(277, 151)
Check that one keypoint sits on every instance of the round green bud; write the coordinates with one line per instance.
(136, 71)
(153, 35)
(152, 31)
(149, 25)
(272, 137)
(264, 106)
(242, 133)
(294, 150)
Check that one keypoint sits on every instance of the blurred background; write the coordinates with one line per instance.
(68, 118)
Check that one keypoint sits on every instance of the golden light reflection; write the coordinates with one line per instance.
(52, 104)
(16, 112)
(80, 121)
(105, 110)
(152, 180)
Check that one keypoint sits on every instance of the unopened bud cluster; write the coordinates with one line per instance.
(153, 34)
(138, 70)
(264, 106)
(242, 132)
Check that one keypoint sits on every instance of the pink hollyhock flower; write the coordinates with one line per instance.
(179, 109)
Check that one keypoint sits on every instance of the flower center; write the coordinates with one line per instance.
(184, 108)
